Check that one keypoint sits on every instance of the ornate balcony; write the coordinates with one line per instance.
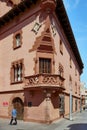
(44, 81)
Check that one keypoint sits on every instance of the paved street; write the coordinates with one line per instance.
(79, 122)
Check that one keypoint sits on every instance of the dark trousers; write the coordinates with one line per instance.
(12, 119)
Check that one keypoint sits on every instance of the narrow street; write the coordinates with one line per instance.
(79, 122)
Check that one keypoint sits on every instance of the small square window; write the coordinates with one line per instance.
(53, 30)
(61, 47)
(36, 28)
(70, 60)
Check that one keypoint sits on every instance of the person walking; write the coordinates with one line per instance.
(13, 117)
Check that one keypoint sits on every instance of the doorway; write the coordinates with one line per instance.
(19, 105)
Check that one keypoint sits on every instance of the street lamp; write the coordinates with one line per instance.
(70, 112)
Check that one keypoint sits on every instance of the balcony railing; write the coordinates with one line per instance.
(44, 80)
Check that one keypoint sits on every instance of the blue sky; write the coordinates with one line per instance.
(77, 14)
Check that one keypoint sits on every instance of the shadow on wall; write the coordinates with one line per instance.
(77, 127)
(35, 98)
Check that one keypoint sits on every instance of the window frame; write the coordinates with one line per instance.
(15, 74)
(45, 66)
(15, 39)
(61, 70)
(76, 88)
(70, 62)
(61, 46)
(36, 27)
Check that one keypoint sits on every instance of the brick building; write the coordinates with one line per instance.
(40, 62)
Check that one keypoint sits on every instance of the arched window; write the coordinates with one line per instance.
(17, 40)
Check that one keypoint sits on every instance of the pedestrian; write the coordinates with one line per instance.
(13, 117)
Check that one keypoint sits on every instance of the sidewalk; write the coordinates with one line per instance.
(78, 123)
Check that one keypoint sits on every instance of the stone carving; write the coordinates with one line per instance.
(44, 80)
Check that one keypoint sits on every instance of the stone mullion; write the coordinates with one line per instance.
(12, 74)
(20, 68)
(21, 71)
(16, 73)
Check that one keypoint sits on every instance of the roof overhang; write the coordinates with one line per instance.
(15, 11)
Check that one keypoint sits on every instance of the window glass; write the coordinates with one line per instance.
(17, 72)
(44, 65)
(18, 40)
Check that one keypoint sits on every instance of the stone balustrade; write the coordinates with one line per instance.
(44, 80)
